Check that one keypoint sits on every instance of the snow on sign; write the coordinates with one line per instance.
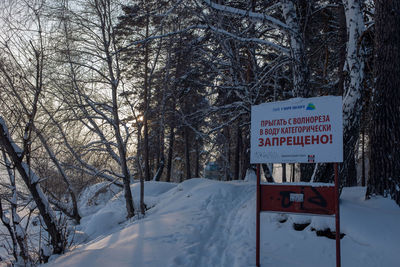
(304, 130)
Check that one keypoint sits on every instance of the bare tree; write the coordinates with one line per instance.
(22, 76)
(13, 223)
(83, 22)
(353, 88)
(32, 182)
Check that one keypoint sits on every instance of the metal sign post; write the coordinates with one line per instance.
(337, 216)
(318, 200)
(258, 218)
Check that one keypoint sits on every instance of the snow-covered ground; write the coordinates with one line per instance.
(209, 223)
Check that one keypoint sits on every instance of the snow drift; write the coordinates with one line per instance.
(206, 223)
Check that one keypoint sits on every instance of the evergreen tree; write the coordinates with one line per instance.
(385, 128)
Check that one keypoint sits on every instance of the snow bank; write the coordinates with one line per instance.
(105, 209)
(206, 223)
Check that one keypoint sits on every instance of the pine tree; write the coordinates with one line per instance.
(385, 129)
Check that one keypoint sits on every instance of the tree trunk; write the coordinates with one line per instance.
(363, 158)
(352, 99)
(160, 154)
(237, 150)
(108, 43)
(160, 168)
(139, 167)
(12, 230)
(283, 172)
(197, 167)
(300, 70)
(384, 134)
(350, 86)
(171, 141)
(32, 182)
(120, 143)
(342, 52)
(170, 151)
(146, 105)
(293, 170)
(299, 64)
(306, 171)
(7, 224)
(267, 168)
(227, 152)
(187, 153)
(75, 212)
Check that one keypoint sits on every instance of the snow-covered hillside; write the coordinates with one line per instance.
(207, 223)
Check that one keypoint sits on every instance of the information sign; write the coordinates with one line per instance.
(303, 130)
(299, 130)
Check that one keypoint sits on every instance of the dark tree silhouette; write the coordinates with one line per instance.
(385, 129)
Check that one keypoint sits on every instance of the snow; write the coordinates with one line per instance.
(47, 250)
(102, 211)
(251, 40)
(3, 125)
(19, 231)
(303, 184)
(203, 222)
(5, 219)
(254, 15)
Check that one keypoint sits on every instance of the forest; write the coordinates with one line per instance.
(128, 91)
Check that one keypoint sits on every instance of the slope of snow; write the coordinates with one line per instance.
(206, 223)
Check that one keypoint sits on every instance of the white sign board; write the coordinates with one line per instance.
(303, 130)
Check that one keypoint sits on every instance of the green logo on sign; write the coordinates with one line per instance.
(310, 106)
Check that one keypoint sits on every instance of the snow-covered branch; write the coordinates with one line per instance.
(271, 21)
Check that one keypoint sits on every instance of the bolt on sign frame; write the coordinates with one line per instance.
(299, 130)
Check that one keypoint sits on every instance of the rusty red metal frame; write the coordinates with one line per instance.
(320, 200)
